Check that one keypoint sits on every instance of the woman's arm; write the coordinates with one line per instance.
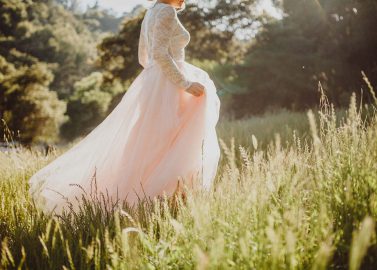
(142, 51)
(166, 22)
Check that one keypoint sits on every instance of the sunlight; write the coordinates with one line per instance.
(270, 9)
(120, 6)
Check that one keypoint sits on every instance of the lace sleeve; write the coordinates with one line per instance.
(166, 21)
(142, 50)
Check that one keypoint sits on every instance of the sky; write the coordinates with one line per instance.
(120, 6)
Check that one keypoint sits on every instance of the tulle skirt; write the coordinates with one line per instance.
(157, 134)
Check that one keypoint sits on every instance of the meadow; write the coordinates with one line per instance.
(293, 191)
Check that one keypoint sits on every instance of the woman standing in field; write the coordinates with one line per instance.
(162, 131)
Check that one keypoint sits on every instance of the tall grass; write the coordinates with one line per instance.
(296, 200)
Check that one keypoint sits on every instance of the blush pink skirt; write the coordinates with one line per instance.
(158, 134)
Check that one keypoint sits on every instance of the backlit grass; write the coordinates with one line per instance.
(293, 191)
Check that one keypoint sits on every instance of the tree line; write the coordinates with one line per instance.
(325, 41)
(63, 70)
(45, 50)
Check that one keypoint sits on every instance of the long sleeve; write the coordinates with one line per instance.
(166, 22)
(142, 50)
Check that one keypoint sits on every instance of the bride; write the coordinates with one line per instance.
(162, 131)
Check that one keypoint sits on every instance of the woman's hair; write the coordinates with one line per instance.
(182, 7)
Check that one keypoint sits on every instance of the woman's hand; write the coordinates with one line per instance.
(196, 89)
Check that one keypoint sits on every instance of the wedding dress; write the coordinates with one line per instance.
(157, 134)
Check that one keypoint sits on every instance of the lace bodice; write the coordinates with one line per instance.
(162, 40)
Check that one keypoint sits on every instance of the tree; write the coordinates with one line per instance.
(44, 48)
(117, 54)
(221, 30)
(71, 5)
(89, 104)
(26, 104)
(43, 31)
(326, 41)
(100, 20)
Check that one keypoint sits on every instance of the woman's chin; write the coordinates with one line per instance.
(182, 6)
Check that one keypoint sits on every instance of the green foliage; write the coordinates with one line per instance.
(89, 104)
(326, 41)
(216, 26)
(99, 20)
(42, 31)
(118, 54)
(43, 47)
(26, 103)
